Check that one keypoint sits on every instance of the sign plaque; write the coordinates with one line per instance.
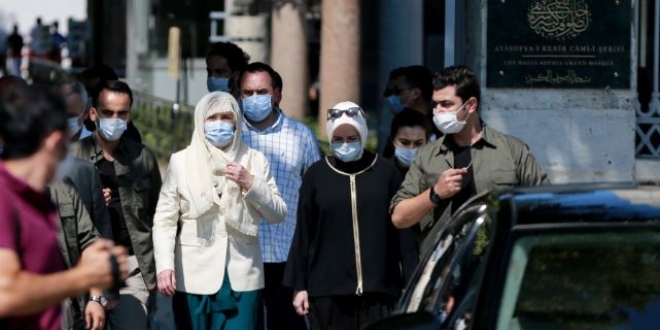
(559, 43)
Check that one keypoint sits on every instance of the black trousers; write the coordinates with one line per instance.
(280, 313)
(348, 312)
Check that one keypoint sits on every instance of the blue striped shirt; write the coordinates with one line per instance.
(291, 148)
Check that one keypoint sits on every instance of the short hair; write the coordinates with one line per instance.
(418, 76)
(410, 118)
(27, 116)
(253, 67)
(76, 86)
(116, 86)
(9, 83)
(462, 78)
(100, 71)
(236, 58)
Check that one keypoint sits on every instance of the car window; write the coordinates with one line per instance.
(583, 280)
(445, 276)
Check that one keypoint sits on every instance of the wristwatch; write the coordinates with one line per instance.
(434, 197)
(99, 299)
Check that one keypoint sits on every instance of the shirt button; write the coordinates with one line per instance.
(223, 234)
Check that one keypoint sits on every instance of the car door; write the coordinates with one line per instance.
(446, 283)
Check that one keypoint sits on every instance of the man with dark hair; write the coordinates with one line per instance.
(15, 43)
(131, 180)
(469, 159)
(92, 78)
(224, 61)
(411, 87)
(33, 281)
(291, 149)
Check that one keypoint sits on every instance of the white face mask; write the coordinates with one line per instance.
(405, 156)
(448, 123)
(111, 129)
(347, 152)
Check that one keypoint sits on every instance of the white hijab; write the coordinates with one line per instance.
(206, 163)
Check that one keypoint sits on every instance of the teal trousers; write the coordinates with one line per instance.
(225, 310)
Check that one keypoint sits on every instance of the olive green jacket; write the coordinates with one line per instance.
(498, 160)
(74, 234)
(139, 182)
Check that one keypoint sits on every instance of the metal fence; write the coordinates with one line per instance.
(166, 127)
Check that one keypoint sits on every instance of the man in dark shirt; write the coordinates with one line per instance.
(15, 44)
(32, 278)
(131, 183)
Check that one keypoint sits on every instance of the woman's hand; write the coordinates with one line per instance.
(301, 302)
(239, 174)
(167, 282)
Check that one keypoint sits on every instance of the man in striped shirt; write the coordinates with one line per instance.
(291, 149)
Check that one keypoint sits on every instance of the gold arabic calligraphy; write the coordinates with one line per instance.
(555, 79)
(559, 19)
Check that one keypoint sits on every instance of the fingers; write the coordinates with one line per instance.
(305, 305)
(88, 320)
(173, 284)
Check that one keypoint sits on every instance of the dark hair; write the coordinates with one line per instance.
(263, 67)
(410, 118)
(462, 78)
(396, 73)
(116, 86)
(9, 83)
(27, 116)
(418, 76)
(100, 71)
(236, 58)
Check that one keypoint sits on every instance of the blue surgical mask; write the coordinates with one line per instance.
(405, 156)
(74, 126)
(111, 129)
(347, 152)
(394, 104)
(257, 107)
(219, 133)
(217, 84)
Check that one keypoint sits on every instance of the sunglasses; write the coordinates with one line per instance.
(351, 112)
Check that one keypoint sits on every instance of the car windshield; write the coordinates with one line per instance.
(585, 280)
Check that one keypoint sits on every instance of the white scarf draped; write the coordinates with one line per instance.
(206, 166)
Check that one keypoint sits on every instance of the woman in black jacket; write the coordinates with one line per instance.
(348, 262)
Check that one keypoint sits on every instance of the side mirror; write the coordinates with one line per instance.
(414, 321)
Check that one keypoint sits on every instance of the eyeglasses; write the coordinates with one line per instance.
(351, 112)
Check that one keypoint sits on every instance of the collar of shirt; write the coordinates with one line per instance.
(277, 125)
(486, 139)
(39, 200)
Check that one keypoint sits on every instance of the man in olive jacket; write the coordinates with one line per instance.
(74, 234)
(131, 183)
(469, 159)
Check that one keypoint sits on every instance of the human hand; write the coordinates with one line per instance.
(107, 194)
(167, 282)
(301, 302)
(449, 182)
(94, 316)
(95, 263)
(239, 174)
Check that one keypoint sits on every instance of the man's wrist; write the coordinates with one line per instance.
(434, 197)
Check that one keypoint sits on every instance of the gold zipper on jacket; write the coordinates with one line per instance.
(356, 237)
(356, 228)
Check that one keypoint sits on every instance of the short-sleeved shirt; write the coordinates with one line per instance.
(28, 226)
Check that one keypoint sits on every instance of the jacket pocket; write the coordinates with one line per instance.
(141, 198)
(504, 178)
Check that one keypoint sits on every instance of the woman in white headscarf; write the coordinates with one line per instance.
(205, 228)
(348, 262)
